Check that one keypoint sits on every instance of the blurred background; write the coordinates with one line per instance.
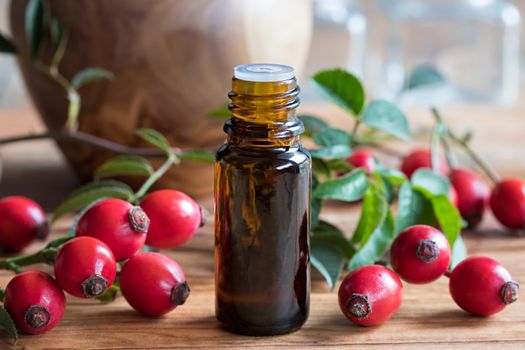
(173, 59)
(475, 44)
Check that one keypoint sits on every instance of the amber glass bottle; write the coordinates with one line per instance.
(262, 200)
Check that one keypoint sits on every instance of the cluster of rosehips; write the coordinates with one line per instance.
(372, 294)
(109, 232)
(469, 193)
(472, 195)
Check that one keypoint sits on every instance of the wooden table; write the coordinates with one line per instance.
(428, 317)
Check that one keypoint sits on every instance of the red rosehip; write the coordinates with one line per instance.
(507, 202)
(85, 267)
(361, 158)
(35, 301)
(153, 284)
(420, 254)
(422, 158)
(21, 221)
(370, 295)
(174, 218)
(473, 194)
(482, 286)
(117, 223)
(453, 196)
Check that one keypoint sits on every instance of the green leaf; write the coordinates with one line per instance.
(89, 75)
(448, 217)
(387, 117)
(7, 323)
(315, 209)
(7, 45)
(86, 194)
(124, 165)
(459, 252)
(413, 208)
(395, 176)
(431, 182)
(331, 137)
(198, 155)
(34, 26)
(312, 124)
(424, 75)
(328, 260)
(223, 112)
(320, 168)
(56, 29)
(110, 294)
(332, 152)
(328, 234)
(59, 38)
(339, 165)
(387, 188)
(342, 88)
(349, 187)
(376, 246)
(373, 214)
(156, 139)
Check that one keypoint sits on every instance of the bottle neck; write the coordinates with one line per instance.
(263, 114)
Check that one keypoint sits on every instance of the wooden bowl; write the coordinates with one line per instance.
(172, 61)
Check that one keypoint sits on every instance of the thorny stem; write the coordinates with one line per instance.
(46, 256)
(463, 143)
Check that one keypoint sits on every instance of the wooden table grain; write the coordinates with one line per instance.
(427, 319)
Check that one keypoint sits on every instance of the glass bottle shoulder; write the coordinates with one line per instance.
(277, 158)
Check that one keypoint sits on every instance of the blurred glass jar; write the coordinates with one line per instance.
(338, 33)
(475, 44)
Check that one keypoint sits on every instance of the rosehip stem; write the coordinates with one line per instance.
(172, 159)
(108, 145)
(354, 131)
(487, 169)
(44, 256)
(447, 273)
(439, 134)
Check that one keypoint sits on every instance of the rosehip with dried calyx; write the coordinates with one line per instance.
(482, 286)
(174, 218)
(420, 254)
(22, 221)
(472, 193)
(117, 223)
(35, 301)
(85, 267)
(507, 202)
(362, 158)
(422, 158)
(153, 284)
(370, 295)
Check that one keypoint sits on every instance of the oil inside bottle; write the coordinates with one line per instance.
(262, 196)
